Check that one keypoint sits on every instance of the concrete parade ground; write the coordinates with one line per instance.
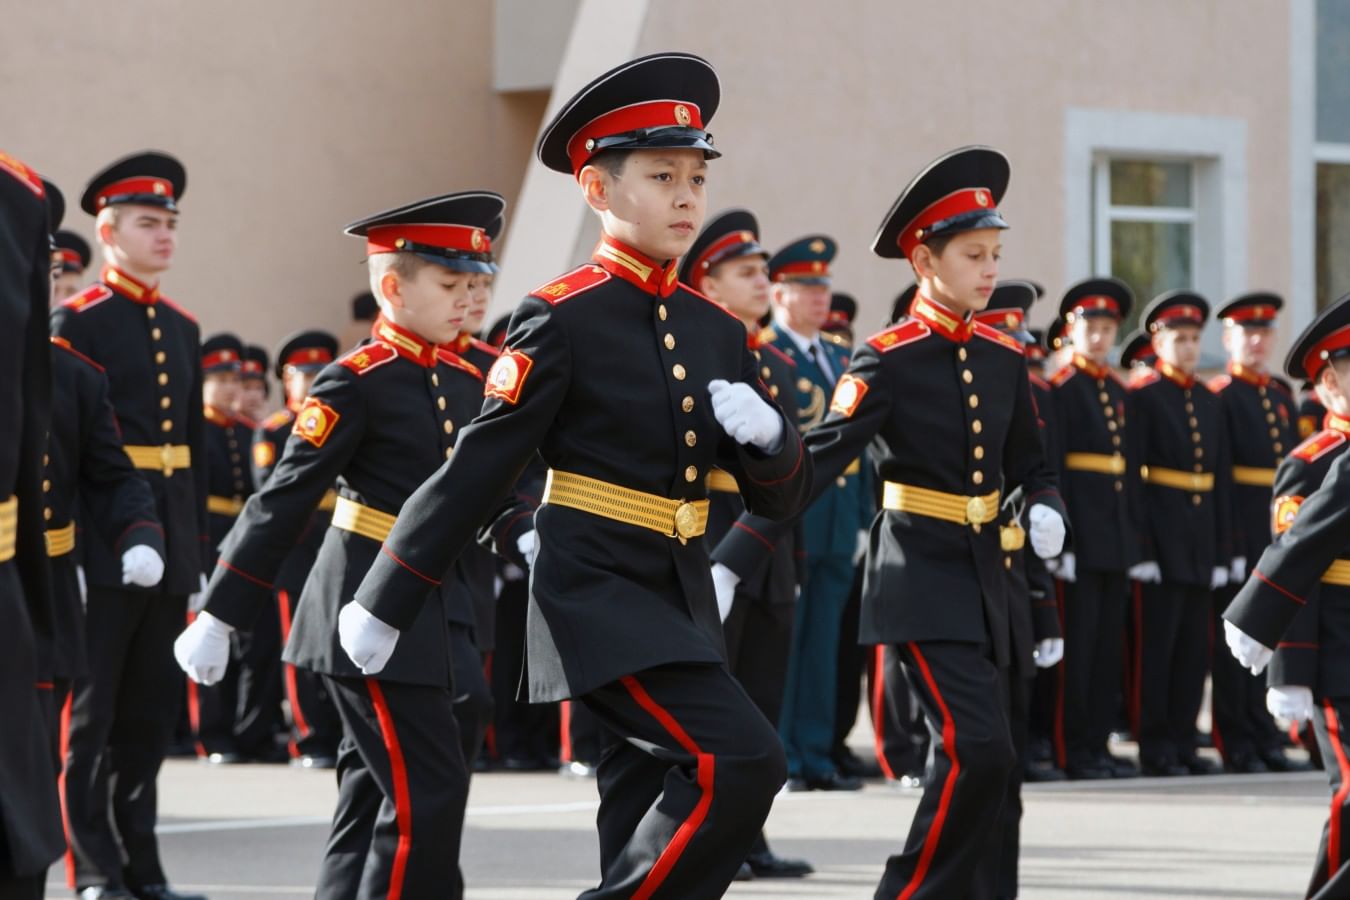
(249, 832)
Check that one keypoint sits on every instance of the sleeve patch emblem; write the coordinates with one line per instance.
(507, 376)
(264, 454)
(1284, 511)
(847, 395)
(315, 421)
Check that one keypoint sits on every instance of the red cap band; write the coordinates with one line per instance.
(160, 187)
(1001, 318)
(393, 238)
(250, 367)
(308, 356)
(1096, 303)
(806, 268)
(219, 358)
(1260, 313)
(954, 204)
(70, 257)
(1184, 311)
(715, 250)
(651, 114)
(1315, 358)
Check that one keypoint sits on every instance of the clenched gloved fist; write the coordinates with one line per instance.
(368, 641)
(1291, 702)
(1046, 531)
(142, 566)
(1146, 571)
(1048, 652)
(745, 416)
(203, 649)
(1219, 578)
(1246, 649)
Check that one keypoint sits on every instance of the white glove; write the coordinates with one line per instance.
(724, 586)
(1068, 567)
(1290, 702)
(368, 641)
(84, 587)
(1219, 578)
(745, 416)
(203, 649)
(1237, 573)
(142, 566)
(197, 601)
(1046, 531)
(1048, 652)
(528, 545)
(1146, 571)
(860, 550)
(1247, 650)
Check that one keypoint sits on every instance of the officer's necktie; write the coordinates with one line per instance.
(818, 357)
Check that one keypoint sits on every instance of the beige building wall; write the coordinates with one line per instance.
(293, 118)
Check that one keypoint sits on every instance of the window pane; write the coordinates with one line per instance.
(1140, 183)
(1333, 233)
(1333, 61)
(1151, 257)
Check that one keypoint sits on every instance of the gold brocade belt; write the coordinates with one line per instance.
(329, 502)
(168, 458)
(224, 506)
(60, 541)
(1102, 463)
(9, 528)
(1338, 574)
(358, 519)
(683, 519)
(957, 508)
(1254, 476)
(720, 480)
(1175, 478)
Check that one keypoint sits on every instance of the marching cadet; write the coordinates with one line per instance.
(618, 355)
(229, 482)
(73, 255)
(945, 405)
(150, 349)
(1178, 438)
(727, 264)
(1299, 591)
(1093, 419)
(30, 823)
(253, 388)
(1259, 424)
(85, 460)
(315, 726)
(378, 421)
(800, 273)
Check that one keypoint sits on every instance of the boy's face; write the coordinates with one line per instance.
(1093, 336)
(1179, 347)
(298, 382)
(962, 277)
(805, 306)
(656, 204)
(1249, 345)
(220, 389)
(741, 285)
(433, 304)
(65, 285)
(143, 240)
(480, 292)
(252, 399)
(1333, 387)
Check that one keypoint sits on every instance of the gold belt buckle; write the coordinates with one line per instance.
(166, 458)
(976, 510)
(686, 521)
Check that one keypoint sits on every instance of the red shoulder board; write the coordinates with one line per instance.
(88, 298)
(1063, 375)
(1219, 382)
(368, 356)
(26, 176)
(580, 279)
(279, 419)
(485, 347)
(1007, 342)
(1038, 381)
(453, 359)
(65, 345)
(178, 309)
(905, 333)
(1318, 445)
(780, 354)
(245, 422)
(1143, 379)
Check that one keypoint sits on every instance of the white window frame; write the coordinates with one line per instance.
(1105, 214)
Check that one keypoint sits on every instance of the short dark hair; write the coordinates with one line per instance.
(612, 161)
(939, 244)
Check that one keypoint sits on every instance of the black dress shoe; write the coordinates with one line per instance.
(162, 892)
(1276, 761)
(834, 781)
(1041, 772)
(770, 865)
(1119, 768)
(850, 763)
(1245, 765)
(1198, 765)
(744, 873)
(1087, 772)
(1163, 769)
(99, 892)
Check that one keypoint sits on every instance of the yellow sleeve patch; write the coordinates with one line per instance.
(848, 393)
(315, 421)
(507, 376)
(1283, 512)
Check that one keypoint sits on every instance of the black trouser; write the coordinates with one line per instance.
(1095, 606)
(686, 784)
(897, 719)
(473, 698)
(1242, 727)
(1173, 655)
(524, 731)
(316, 727)
(122, 715)
(1019, 692)
(257, 712)
(1331, 872)
(402, 788)
(957, 823)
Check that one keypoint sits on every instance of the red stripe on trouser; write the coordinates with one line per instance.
(930, 841)
(194, 707)
(61, 785)
(398, 772)
(490, 736)
(879, 711)
(565, 730)
(1215, 732)
(1061, 749)
(292, 687)
(1337, 799)
(685, 833)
